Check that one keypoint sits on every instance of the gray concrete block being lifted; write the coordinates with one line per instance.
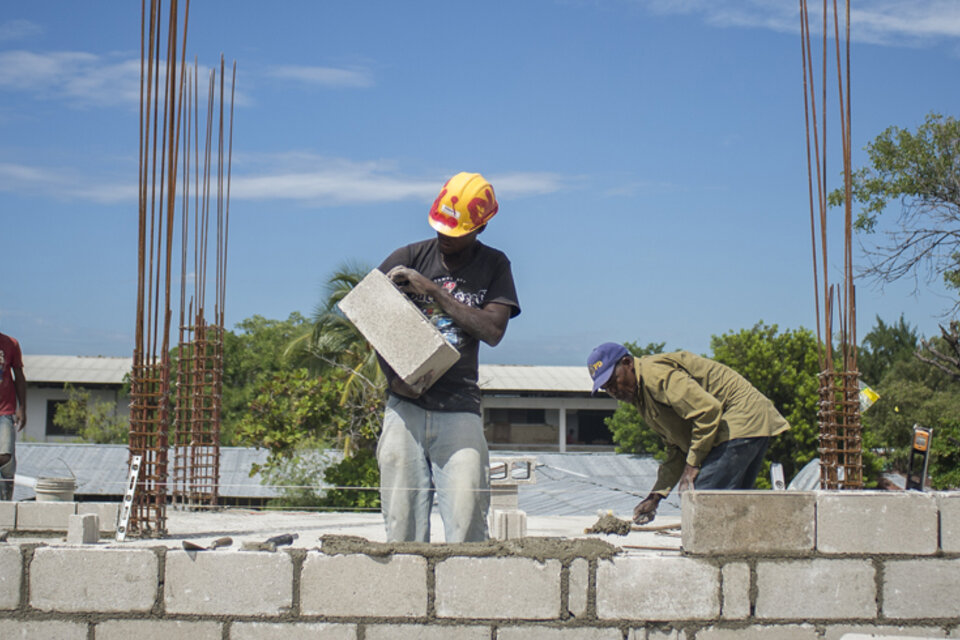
(731, 522)
(399, 332)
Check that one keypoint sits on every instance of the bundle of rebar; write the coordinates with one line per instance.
(840, 447)
(195, 407)
(199, 376)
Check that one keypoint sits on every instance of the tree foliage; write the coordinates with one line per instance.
(921, 171)
(296, 415)
(251, 355)
(92, 420)
(783, 367)
(911, 392)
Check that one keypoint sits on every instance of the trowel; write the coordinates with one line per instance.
(219, 542)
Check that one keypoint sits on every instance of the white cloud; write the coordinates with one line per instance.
(18, 30)
(308, 179)
(891, 22)
(61, 183)
(81, 78)
(324, 76)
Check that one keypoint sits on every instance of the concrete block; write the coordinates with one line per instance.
(948, 503)
(100, 580)
(764, 632)
(871, 636)
(42, 630)
(353, 585)
(425, 632)
(500, 588)
(577, 587)
(157, 630)
(898, 522)
(736, 591)
(229, 583)
(657, 588)
(44, 516)
(754, 522)
(8, 515)
(658, 634)
(920, 589)
(108, 512)
(400, 333)
(292, 631)
(11, 576)
(816, 589)
(546, 633)
(508, 525)
(884, 632)
(83, 529)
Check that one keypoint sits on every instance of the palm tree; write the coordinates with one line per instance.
(334, 343)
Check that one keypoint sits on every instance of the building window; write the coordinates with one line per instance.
(518, 416)
(52, 429)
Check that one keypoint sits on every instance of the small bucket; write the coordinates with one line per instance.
(55, 489)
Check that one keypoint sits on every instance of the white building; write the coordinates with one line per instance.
(524, 407)
(46, 377)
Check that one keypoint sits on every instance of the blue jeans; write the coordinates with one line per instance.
(421, 452)
(8, 441)
(733, 464)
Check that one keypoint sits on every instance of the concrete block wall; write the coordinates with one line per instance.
(532, 589)
(54, 517)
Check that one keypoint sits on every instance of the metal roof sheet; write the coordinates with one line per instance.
(492, 377)
(519, 378)
(566, 483)
(76, 369)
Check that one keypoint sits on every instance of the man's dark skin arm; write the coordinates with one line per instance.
(487, 323)
(20, 385)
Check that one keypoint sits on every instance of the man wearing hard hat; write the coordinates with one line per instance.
(716, 425)
(434, 441)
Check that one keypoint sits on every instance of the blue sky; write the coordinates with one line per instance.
(648, 156)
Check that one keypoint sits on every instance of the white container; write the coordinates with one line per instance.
(55, 489)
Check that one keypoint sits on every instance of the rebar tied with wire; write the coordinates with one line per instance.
(185, 403)
(841, 463)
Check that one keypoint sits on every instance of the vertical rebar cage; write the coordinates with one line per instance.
(841, 442)
(196, 445)
(184, 404)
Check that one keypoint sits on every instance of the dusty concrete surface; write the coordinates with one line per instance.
(249, 525)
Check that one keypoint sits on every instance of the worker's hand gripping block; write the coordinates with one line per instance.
(399, 332)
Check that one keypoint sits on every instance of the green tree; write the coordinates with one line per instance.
(884, 346)
(92, 420)
(251, 354)
(912, 392)
(297, 416)
(920, 171)
(783, 367)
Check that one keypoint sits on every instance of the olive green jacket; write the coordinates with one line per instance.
(694, 403)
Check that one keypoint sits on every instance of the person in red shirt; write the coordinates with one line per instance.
(13, 410)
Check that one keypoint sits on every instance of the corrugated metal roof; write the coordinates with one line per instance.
(503, 377)
(492, 377)
(76, 369)
(567, 483)
(101, 469)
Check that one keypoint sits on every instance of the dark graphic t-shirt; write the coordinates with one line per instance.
(486, 278)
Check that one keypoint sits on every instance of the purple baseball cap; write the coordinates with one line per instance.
(602, 361)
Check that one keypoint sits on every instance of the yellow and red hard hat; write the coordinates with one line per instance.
(465, 204)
